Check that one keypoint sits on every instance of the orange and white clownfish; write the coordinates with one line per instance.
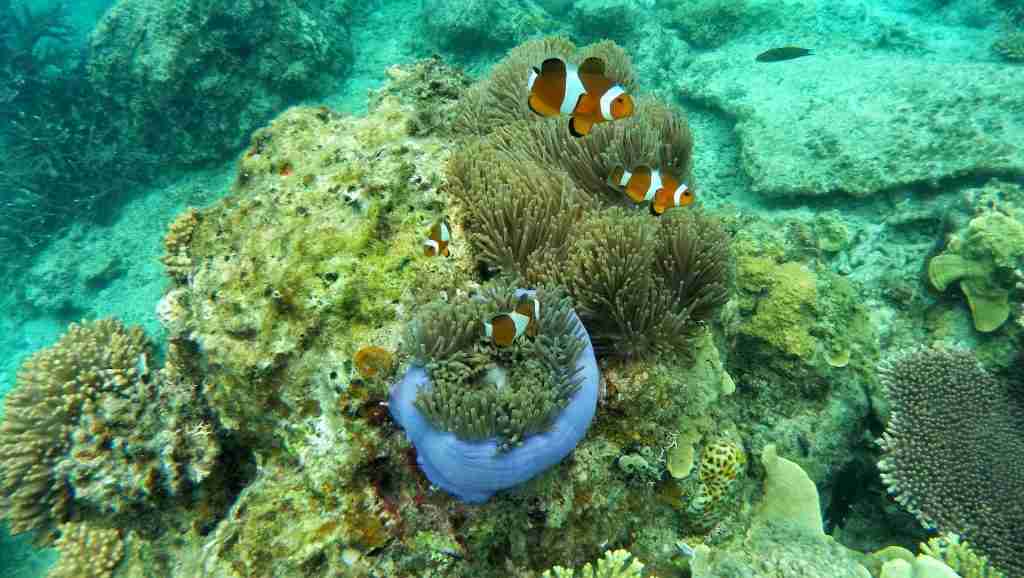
(438, 239)
(643, 184)
(505, 328)
(584, 93)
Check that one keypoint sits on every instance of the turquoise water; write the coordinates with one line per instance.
(850, 170)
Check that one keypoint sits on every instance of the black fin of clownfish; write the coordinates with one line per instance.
(553, 66)
(592, 65)
(574, 132)
(655, 211)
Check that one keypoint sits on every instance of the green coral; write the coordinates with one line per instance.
(480, 390)
(959, 556)
(614, 564)
(985, 258)
(785, 313)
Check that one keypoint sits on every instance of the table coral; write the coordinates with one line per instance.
(954, 450)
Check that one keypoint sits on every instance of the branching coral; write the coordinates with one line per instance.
(85, 431)
(87, 552)
(954, 450)
(614, 564)
(58, 389)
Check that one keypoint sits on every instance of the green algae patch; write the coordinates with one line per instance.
(785, 312)
(307, 260)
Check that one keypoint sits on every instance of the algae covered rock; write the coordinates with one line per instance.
(193, 78)
(306, 262)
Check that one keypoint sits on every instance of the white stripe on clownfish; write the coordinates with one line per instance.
(680, 190)
(626, 175)
(655, 185)
(606, 101)
(574, 89)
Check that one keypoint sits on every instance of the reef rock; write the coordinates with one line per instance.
(808, 127)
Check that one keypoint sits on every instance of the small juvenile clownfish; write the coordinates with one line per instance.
(584, 93)
(438, 239)
(643, 184)
(505, 328)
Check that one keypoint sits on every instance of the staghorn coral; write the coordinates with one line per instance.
(500, 99)
(959, 556)
(954, 450)
(614, 564)
(90, 430)
(59, 391)
(87, 552)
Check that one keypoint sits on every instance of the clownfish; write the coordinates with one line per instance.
(438, 239)
(643, 184)
(584, 93)
(505, 328)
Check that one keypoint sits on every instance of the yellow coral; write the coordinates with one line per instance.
(721, 463)
(87, 552)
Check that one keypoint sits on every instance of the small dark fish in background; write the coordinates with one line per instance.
(784, 53)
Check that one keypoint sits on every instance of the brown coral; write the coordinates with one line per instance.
(87, 552)
(58, 391)
(89, 428)
(176, 258)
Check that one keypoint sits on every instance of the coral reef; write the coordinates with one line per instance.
(958, 555)
(186, 80)
(475, 26)
(46, 437)
(614, 564)
(87, 552)
(708, 23)
(1010, 46)
(86, 433)
(306, 261)
(986, 258)
(954, 449)
(805, 142)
